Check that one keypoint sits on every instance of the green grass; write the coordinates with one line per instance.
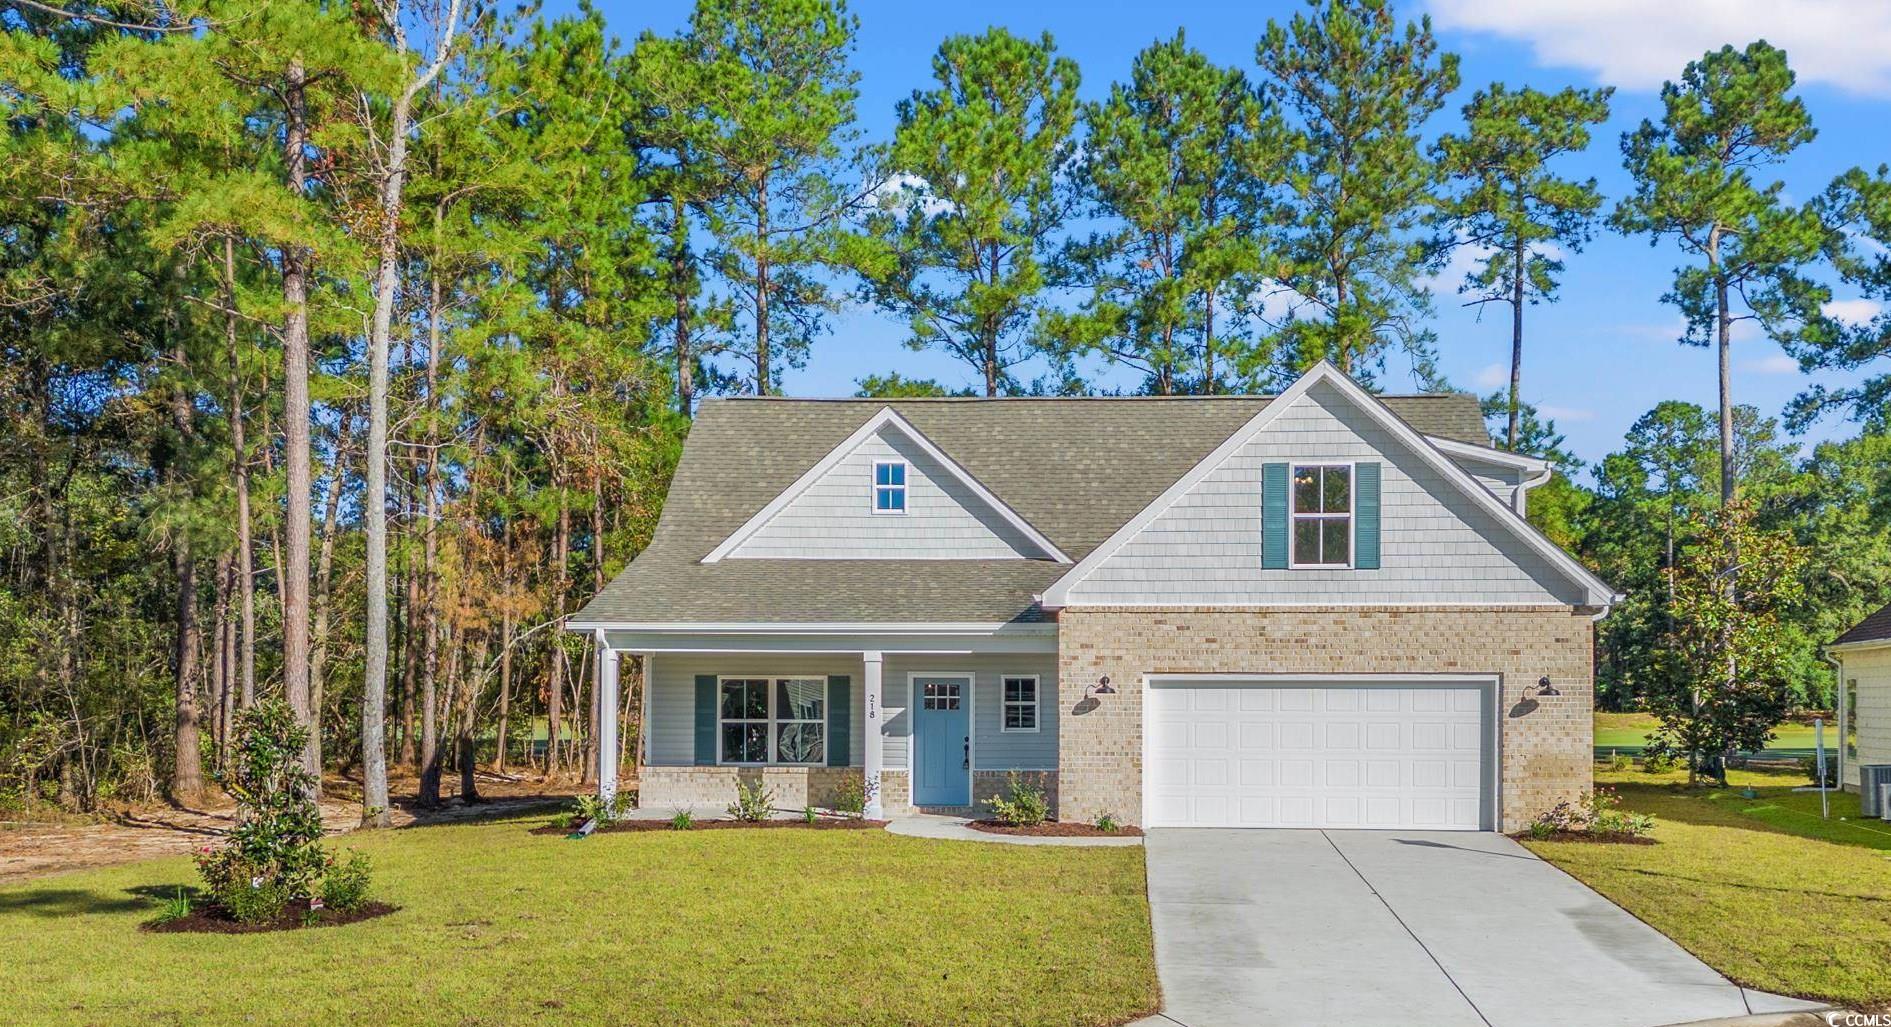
(724, 927)
(1631, 731)
(1760, 889)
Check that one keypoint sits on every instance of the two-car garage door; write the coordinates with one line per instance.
(1339, 754)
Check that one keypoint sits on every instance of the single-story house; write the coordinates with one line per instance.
(1863, 655)
(1323, 608)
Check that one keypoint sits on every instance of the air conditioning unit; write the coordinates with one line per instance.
(1872, 777)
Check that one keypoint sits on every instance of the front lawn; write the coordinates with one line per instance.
(1762, 889)
(714, 927)
(1629, 732)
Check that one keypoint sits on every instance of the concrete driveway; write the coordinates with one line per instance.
(1402, 927)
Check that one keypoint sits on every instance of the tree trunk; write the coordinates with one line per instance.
(187, 782)
(325, 574)
(222, 668)
(468, 755)
(1516, 339)
(555, 698)
(430, 642)
(761, 288)
(505, 650)
(295, 428)
(682, 289)
(240, 482)
(1209, 385)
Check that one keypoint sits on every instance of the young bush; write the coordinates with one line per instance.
(273, 856)
(851, 797)
(1606, 815)
(807, 815)
(1106, 822)
(588, 807)
(1654, 761)
(1618, 762)
(177, 907)
(1022, 805)
(1810, 764)
(682, 820)
(752, 804)
(345, 889)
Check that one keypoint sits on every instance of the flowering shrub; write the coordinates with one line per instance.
(1597, 812)
(1022, 805)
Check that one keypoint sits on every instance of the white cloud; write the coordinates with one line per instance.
(1744, 330)
(1638, 45)
(1492, 375)
(1556, 413)
(1466, 258)
(897, 192)
(1852, 312)
(1778, 363)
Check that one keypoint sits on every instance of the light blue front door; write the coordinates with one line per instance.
(942, 735)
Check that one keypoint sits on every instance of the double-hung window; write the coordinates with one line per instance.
(773, 720)
(1322, 515)
(889, 486)
(1020, 701)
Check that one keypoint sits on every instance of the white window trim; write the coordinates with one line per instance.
(774, 719)
(1005, 703)
(1352, 514)
(873, 493)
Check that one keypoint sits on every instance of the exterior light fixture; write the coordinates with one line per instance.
(1543, 686)
(1102, 687)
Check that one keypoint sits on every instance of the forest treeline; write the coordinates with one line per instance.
(349, 347)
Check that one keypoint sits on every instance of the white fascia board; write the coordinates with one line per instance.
(1489, 455)
(1850, 647)
(1600, 594)
(823, 627)
(885, 418)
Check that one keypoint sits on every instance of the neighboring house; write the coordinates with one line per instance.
(1863, 655)
(1322, 609)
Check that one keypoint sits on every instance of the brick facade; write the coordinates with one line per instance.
(1545, 741)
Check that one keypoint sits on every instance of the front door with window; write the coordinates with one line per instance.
(942, 740)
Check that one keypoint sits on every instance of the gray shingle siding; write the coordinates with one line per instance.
(1436, 546)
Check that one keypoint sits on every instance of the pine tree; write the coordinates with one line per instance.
(974, 192)
(1512, 208)
(1168, 161)
(1357, 89)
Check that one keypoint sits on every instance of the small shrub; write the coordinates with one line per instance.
(807, 815)
(1022, 805)
(177, 907)
(1106, 822)
(1810, 764)
(563, 819)
(682, 820)
(1606, 815)
(1617, 762)
(851, 797)
(256, 901)
(752, 804)
(345, 888)
(1656, 762)
(1541, 830)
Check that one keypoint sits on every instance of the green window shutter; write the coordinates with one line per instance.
(705, 720)
(1274, 522)
(840, 710)
(1366, 516)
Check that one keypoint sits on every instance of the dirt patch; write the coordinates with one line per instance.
(1055, 829)
(213, 920)
(1595, 837)
(634, 826)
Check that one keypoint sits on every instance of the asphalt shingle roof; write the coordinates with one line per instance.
(1874, 628)
(1076, 469)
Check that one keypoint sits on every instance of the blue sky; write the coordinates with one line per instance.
(1597, 359)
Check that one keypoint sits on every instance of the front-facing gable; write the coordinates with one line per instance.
(1443, 536)
(840, 509)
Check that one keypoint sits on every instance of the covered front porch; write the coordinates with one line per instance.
(909, 716)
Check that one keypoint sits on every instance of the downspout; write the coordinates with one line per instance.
(1838, 700)
(1519, 497)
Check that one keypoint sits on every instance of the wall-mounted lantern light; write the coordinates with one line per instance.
(1102, 687)
(1543, 686)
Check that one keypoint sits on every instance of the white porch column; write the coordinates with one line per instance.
(870, 681)
(606, 720)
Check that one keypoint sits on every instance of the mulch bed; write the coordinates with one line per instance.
(1055, 829)
(1599, 838)
(621, 826)
(213, 920)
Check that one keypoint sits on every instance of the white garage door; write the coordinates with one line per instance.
(1354, 755)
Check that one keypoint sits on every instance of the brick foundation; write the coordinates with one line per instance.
(1545, 744)
(794, 787)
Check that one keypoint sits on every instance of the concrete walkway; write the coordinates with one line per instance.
(932, 825)
(1434, 928)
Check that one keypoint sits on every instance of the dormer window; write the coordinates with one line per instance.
(1322, 515)
(889, 486)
